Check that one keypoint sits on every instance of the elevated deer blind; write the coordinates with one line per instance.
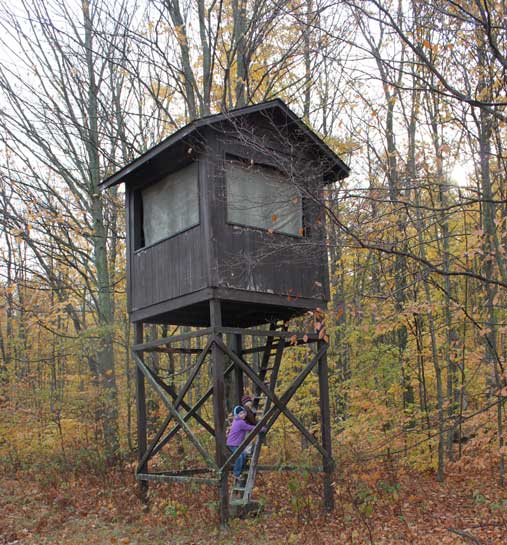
(226, 238)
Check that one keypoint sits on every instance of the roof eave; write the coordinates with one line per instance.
(186, 131)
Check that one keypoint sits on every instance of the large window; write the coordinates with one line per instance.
(262, 197)
(170, 205)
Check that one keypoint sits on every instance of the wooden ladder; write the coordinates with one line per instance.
(241, 492)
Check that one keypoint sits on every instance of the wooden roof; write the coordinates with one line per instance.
(339, 168)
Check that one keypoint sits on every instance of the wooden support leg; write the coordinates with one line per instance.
(141, 417)
(219, 412)
(325, 422)
(239, 386)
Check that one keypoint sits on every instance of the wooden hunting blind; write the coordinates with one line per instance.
(225, 231)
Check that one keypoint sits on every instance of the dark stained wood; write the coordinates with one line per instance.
(154, 446)
(168, 269)
(170, 340)
(219, 411)
(302, 469)
(141, 419)
(279, 275)
(237, 348)
(175, 350)
(273, 113)
(208, 165)
(325, 426)
(279, 405)
(312, 337)
(168, 403)
(240, 308)
(191, 413)
(225, 278)
(129, 220)
(167, 478)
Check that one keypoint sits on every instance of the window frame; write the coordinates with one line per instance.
(243, 162)
(139, 238)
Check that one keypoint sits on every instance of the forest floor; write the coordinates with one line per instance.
(373, 506)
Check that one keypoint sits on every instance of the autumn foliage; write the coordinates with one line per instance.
(413, 96)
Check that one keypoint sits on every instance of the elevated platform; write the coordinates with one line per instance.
(239, 308)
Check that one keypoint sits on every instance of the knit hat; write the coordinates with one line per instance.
(238, 409)
(245, 399)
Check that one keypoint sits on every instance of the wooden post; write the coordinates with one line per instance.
(141, 416)
(219, 412)
(239, 386)
(325, 423)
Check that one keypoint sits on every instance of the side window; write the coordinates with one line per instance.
(170, 205)
(261, 197)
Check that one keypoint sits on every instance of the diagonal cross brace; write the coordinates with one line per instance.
(283, 409)
(193, 374)
(153, 448)
(178, 400)
(151, 379)
(171, 391)
(279, 404)
(190, 413)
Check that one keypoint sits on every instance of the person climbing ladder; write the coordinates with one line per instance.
(236, 436)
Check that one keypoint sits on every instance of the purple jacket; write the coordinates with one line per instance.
(237, 432)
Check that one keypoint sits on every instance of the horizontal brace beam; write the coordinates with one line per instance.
(151, 345)
(310, 469)
(170, 350)
(164, 477)
(312, 337)
(179, 472)
(256, 349)
(172, 339)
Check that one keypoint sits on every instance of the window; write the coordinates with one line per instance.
(262, 197)
(171, 205)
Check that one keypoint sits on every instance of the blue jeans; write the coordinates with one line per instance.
(239, 463)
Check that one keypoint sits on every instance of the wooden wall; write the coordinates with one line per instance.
(215, 254)
(168, 269)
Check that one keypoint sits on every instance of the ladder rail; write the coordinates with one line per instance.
(252, 470)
